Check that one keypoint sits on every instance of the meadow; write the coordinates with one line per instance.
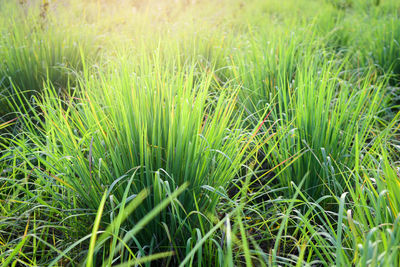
(199, 133)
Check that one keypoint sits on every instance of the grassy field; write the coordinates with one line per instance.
(200, 133)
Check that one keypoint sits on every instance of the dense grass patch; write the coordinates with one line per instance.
(199, 133)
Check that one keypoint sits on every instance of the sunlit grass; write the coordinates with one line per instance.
(199, 133)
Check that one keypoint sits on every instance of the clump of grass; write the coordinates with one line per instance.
(308, 93)
(152, 123)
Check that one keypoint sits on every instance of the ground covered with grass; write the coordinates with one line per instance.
(200, 133)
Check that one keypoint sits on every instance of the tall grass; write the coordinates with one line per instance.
(37, 46)
(182, 133)
(310, 96)
(151, 125)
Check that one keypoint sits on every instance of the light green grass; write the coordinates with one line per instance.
(199, 133)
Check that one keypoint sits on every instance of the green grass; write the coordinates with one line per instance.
(29, 56)
(199, 133)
